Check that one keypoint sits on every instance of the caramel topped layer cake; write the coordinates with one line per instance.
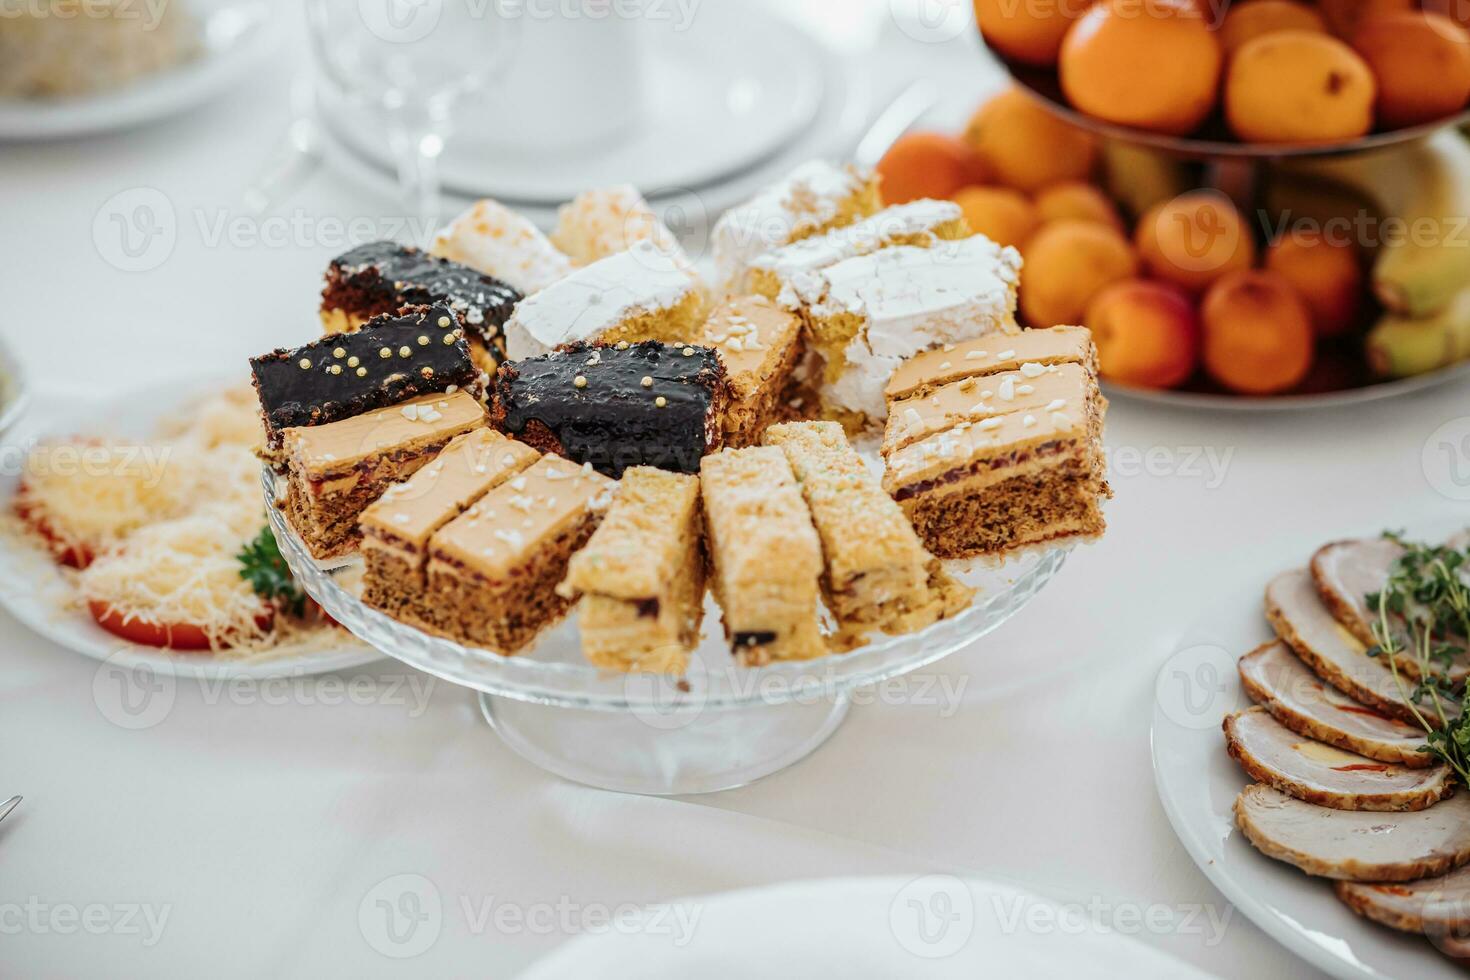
(493, 571)
(759, 343)
(815, 197)
(394, 358)
(603, 222)
(396, 530)
(1006, 472)
(641, 576)
(876, 573)
(385, 277)
(493, 239)
(765, 555)
(640, 294)
(1005, 351)
(335, 471)
(877, 310)
(789, 272)
(615, 406)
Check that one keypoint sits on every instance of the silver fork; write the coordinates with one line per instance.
(9, 805)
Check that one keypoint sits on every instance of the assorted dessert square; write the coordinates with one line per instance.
(513, 423)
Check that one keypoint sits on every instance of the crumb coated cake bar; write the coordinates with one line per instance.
(335, 471)
(493, 571)
(641, 576)
(877, 310)
(876, 572)
(618, 405)
(608, 220)
(765, 555)
(385, 277)
(788, 273)
(760, 344)
(640, 294)
(394, 358)
(989, 479)
(397, 529)
(814, 198)
(495, 240)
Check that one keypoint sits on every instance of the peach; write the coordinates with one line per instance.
(1257, 333)
(1027, 32)
(925, 164)
(1344, 17)
(1147, 333)
(1066, 264)
(999, 213)
(1154, 65)
(1422, 64)
(1075, 199)
(1026, 147)
(1193, 239)
(1298, 87)
(1326, 275)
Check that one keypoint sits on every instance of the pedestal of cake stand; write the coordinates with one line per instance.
(678, 752)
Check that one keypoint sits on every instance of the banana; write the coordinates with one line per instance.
(1398, 346)
(1138, 177)
(1424, 255)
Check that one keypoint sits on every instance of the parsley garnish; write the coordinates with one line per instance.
(269, 575)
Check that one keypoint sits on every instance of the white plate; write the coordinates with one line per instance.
(728, 92)
(33, 590)
(932, 926)
(1198, 784)
(1291, 403)
(235, 34)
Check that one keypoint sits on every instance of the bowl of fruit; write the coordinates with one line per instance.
(1215, 267)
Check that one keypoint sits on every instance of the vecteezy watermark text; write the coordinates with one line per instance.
(37, 917)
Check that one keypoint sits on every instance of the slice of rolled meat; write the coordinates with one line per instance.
(1356, 845)
(1326, 775)
(1346, 573)
(1278, 681)
(1432, 906)
(1334, 654)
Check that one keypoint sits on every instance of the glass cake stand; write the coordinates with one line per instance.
(718, 727)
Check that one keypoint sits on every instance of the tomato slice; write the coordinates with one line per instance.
(171, 636)
(72, 556)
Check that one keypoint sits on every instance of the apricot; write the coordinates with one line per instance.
(1193, 239)
(1325, 274)
(1344, 17)
(1066, 264)
(1257, 333)
(1147, 333)
(1026, 147)
(1027, 32)
(1150, 64)
(926, 164)
(1298, 87)
(1422, 64)
(1074, 199)
(1456, 10)
(1000, 214)
(1248, 21)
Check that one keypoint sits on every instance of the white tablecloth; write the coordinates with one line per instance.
(259, 822)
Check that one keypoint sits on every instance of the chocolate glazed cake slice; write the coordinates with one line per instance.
(395, 358)
(616, 406)
(385, 277)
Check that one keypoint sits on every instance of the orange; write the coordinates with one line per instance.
(1066, 264)
(1248, 21)
(1150, 64)
(1026, 147)
(1422, 64)
(1257, 333)
(1029, 32)
(1298, 87)
(1193, 239)
(928, 164)
(1325, 274)
(1074, 199)
(1000, 214)
(1147, 333)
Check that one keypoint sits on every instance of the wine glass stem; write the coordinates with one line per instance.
(417, 152)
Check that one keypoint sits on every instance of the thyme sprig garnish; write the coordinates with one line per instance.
(1423, 611)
